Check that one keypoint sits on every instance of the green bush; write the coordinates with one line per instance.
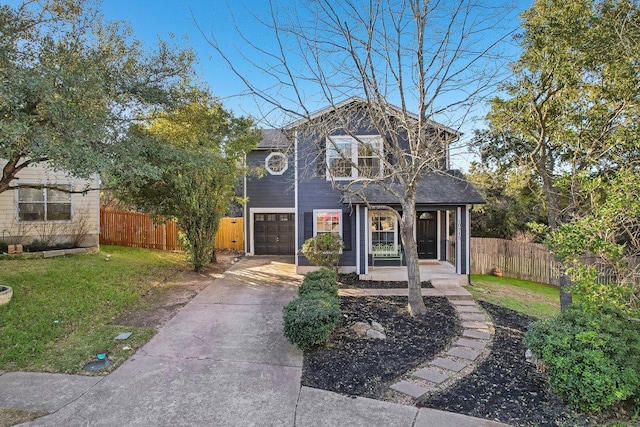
(592, 357)
(323, 280)
(309, 320)
(324, 250)
(323, 273)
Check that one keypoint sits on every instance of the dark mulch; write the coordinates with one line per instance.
(505, 386)
(367, 367)
(352, 281)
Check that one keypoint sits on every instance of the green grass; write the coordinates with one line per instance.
(535, 299)
(62, 308)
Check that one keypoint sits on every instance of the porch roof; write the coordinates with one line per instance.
(435, 188)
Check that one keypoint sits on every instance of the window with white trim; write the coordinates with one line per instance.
(383, 228)
(327, 221)
(44, 204)
(352, 158)
(276, 163)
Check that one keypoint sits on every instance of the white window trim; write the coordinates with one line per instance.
(315, 222)
(354, 154)
(276, 154)
(372, 213)
(48, 184)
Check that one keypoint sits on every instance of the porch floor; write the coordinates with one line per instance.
(440, 271)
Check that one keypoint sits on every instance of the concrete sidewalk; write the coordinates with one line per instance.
(221, 361)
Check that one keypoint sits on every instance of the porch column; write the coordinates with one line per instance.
(443, 231)
(462, 240)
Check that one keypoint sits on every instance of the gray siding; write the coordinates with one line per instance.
(270, 191)
(315, 192)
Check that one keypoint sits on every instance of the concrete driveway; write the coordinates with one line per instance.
(221, 361)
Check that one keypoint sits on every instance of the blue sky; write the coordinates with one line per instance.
(219, 19)
(224, 20)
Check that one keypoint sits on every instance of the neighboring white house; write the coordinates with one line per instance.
(55, 213)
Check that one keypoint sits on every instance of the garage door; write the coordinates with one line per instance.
(274, 234)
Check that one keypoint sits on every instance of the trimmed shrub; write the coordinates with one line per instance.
(310, 320)
(592, 357)
(323, 273)
(324, 250)
(323, 280)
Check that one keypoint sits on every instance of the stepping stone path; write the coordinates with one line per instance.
(456, 361)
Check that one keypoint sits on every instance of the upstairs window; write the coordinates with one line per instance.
(44, 204)
(276, 163)
(350, 158)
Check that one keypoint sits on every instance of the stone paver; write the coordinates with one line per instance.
(409, 388)
(463, 302)
(471, 333)
(475, 325)
(463, 353)
(449, 364)
(474, 317)
(464, 342)
(431, 375)
(468, 309)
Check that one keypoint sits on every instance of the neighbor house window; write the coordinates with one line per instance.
(276, 163)
(327, 221)
(383, 228)
(44, 204)
(352, 158)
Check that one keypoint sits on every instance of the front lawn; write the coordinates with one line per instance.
(534, 299)
(62, 308)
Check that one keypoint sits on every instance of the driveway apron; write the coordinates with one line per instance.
(222, 360)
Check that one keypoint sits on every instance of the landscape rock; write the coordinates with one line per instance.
(360, 328)
(372, 333)
(377, 326)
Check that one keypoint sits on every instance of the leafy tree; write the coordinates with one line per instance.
(513, 201)
(412, 63)
(71, 84)
(198, 148)
(611, 233)
(573, 105)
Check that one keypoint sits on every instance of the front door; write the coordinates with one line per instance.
(427, 235)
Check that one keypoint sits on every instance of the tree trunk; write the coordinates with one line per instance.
(565, 296)
(416, 302)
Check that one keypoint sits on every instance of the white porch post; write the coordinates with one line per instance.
(462, 240)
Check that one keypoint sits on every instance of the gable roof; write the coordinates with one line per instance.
(357, 99)
(435, 188)
(273, 139)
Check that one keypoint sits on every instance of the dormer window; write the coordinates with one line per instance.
(351, 158)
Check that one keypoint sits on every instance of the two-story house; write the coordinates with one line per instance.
(326, 182)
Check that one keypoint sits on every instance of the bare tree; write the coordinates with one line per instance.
(411, 63)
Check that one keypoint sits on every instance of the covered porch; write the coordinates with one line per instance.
(432, 270)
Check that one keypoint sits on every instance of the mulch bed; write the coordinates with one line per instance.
(352, 281)
(505, 387)
(367, 367)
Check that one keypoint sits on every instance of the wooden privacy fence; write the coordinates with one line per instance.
(533, 261)
(134, 229)
(527, 261)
